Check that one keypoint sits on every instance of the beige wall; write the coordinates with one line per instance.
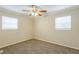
(24, 32)
(41, 28)
(45, 29)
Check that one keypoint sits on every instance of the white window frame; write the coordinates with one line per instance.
(63, 23)
(9, 23)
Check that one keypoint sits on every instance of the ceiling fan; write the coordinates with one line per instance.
(35, 11)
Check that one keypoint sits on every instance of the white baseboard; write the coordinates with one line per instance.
(55, 43)
(15, 42)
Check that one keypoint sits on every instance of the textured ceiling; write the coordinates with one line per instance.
(49, 8)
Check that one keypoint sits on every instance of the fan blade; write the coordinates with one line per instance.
(40, 14)
(42, 10)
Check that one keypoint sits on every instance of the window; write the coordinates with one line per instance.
(9, 23)
(63, 23)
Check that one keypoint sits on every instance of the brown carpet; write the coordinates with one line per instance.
(34, 46)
